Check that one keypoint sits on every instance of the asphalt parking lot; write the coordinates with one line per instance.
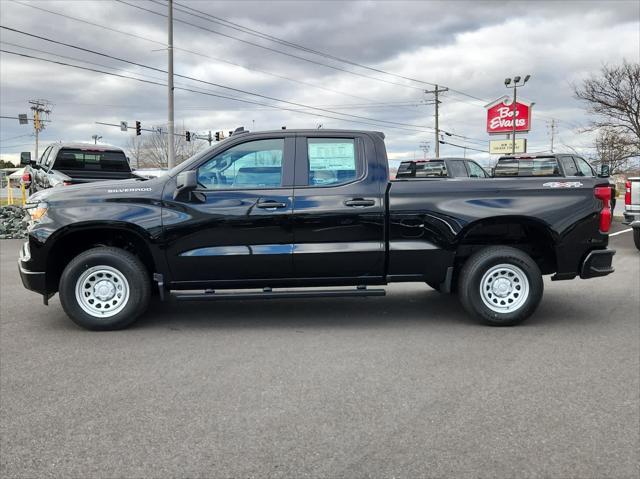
(401, 386)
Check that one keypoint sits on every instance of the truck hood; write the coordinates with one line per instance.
(102, 190)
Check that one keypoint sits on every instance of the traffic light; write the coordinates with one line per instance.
(217, 136)
(138, 128)
(187, 135)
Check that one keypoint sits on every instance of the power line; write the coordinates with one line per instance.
(250, 31)
(462, 146)
(209, 94)
(269, 48)
(191, 52)
(266, 97)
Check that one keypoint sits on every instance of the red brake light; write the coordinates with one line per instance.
(26, 177)
(66, 183)
(604, 193)
(627, 193)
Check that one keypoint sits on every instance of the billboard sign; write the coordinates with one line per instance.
(500, 116)
(505, 147)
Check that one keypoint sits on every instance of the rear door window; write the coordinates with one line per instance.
(332, 161)
(569, 166)
(457, 169)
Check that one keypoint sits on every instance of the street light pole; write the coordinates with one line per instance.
(515, 112)
(515, 83)
(171, 133)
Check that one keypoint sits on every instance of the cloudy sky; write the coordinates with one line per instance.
(469, 47)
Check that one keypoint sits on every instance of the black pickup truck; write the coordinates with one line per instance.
(64, 164)
(299, 208)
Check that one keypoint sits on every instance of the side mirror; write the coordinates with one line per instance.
(603, 171)
(186, 182)
(25, 158)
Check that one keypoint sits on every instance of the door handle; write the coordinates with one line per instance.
(359, 202)
(271, 204)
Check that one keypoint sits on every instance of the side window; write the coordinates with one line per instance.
(254, 164)
(475, 170)
(457, 169)
(584, 167)
(332, 161)
(568, 166)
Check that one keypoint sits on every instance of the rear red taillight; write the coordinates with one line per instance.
(627, 193)
(603, 193)
(26, 177)
(66, 183)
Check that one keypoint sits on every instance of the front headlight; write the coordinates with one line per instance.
(37, 211)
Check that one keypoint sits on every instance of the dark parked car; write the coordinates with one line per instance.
(64, 164)
(298, 208)
(441, 168)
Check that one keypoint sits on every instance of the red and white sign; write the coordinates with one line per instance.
(500, 116)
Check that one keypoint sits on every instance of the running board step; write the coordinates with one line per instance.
(269, 294)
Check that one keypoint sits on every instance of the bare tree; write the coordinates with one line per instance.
(613, 96)
(615, 149)
(152, 150)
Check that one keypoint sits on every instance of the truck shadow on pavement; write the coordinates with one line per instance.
(427, 308)
(398, 307)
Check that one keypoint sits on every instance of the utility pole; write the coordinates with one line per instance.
(209, 139)
(171, 158)
(39, 107)
(552, 130)
(437, 102)
(96, 138)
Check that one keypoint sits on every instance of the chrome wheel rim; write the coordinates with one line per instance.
(504, 288)
(102, 291)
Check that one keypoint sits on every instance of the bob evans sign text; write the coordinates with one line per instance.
(500, 116)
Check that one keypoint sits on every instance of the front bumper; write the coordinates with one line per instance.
(32, 280)
(597, 263)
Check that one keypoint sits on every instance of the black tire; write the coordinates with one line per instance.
(491, 259)
(122, 263)
(636, 237)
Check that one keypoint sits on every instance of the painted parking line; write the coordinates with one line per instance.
(620, 232)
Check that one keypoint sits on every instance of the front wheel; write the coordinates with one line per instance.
(636, 237)
(104, 288)
(500, 285)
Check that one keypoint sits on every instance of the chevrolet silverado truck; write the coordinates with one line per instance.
(270, 214)
(65, 164)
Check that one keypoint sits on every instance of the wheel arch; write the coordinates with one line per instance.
(531, 235)
(81, 237)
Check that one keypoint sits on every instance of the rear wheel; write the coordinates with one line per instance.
(636, 237)
(502, 286)
(104, 288)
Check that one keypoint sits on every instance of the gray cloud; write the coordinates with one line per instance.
(469, 46)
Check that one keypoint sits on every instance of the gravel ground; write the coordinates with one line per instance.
(401, 386)
(12, 222)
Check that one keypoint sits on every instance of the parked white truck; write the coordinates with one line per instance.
(632, 207)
